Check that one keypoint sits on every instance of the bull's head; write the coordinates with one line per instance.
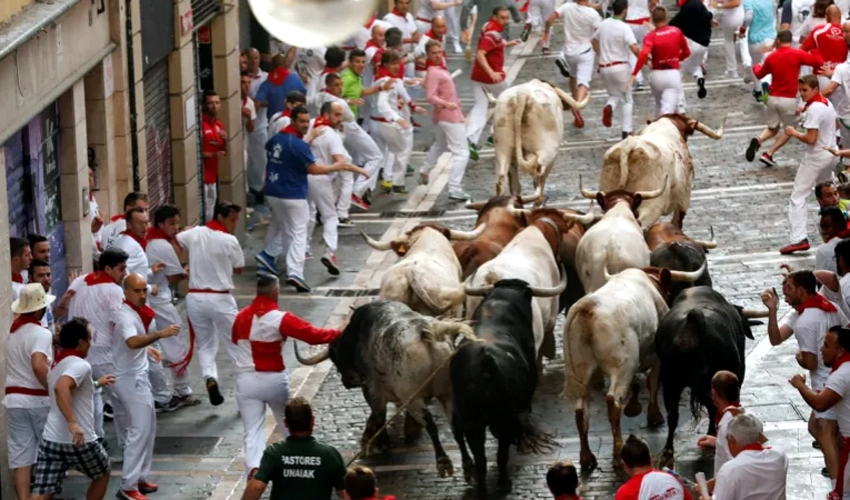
(688, 125)
(607, 200)
(707, 245)
(748, 318)
(535, 290)
(405, 242)
(343, 351)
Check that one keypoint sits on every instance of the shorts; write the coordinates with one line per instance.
(781, 111)
(26, 425)
(581, 67)
(54, 459)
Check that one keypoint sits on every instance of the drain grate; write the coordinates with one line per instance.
(348, 292)
(411, 214)
(184, 445)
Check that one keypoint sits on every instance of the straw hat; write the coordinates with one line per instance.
(31, 299)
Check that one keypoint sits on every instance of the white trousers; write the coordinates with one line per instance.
(366, 153)
(640, 31)
(616, 79)
(320, 198)
(253, 392)
(343, 186)
(814, 169)
(255, 169)
(757, 57)
(693, 64)
(158, 380)
(174, 349)
(666, 85)
(730, 23)
(476, 120)
(454, 27)
(287, 233)
(397, 146)
(99, 370)
(538, 12)
(449, 137)
(210, 196)
(844, 130)
(139, 415)
(211, 316)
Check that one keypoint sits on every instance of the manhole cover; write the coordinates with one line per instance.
(173, 445)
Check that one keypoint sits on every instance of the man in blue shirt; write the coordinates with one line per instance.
(272, 93)
(289, 162)
(760, 23)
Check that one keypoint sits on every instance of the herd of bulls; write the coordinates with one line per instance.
(636, 292)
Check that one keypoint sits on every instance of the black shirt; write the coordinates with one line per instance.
(695, 21)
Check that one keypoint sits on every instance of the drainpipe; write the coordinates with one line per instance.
(131, 76)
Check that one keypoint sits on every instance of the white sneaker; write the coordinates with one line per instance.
(458, 49)
(458, 195)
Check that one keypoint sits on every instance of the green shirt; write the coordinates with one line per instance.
(301, 469)
(352, 87)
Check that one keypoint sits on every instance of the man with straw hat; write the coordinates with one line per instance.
(29, 352)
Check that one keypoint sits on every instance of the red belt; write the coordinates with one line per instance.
(615, 63)
(26, 391)
(349, 47)
(838, 492)
(638, 21)
(423, 19)
(207, 290)
(379, 119)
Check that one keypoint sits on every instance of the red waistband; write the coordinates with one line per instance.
(379, 119)
(615, 63)
(423, 20)
(26, 391)
(637, 21)
(348, 47)
(207, 290)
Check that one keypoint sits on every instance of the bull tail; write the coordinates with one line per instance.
(696, 322)
(448, 297)
(527, 166)
(624, 168)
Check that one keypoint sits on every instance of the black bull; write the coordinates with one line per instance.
(701, 335)
(681, 256)
(493, 382)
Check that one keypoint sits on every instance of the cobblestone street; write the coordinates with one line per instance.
(199, 450)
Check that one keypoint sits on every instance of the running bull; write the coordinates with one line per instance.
(613, 330)
(642, 161)
(701, 335)
(671, 248)
(493, 381)
(390, 351)
(428, 276)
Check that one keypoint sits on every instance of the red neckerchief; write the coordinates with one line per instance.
(441, 64)
(492, 25)
(259, 307)
(327, 70)
(141, 241)
(816, 98)
(430, 34)
(371, 43)
(217, 226)
(838, 362)
(65, 353)
(155, 233)
(816, 301)
(719, 415)
(755, 447)
(321, 121)
(290, 129)
(116, 217)
(98, 278)
(384, 72)
(278, 76)
(287, 113)
(18, 278)
(29, 319)
(399, 14)
(682, 2)
(145, 313)
(369, 22)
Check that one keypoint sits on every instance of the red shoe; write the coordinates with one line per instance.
(359, 202)
(578, 121)
(252, 472)
(148, 487)
(607, 111)
(795, 247)
(131, 495)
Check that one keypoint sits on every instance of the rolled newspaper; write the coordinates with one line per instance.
(456, 73)
(703, 486)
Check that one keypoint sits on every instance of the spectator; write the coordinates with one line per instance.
(725, 394)
(562, 480)
(361, 484)
(646, 481)
(833, 229)
(272, 92)
(213, 148)
(39, 272)
(40, 247)
(21, 256)
(118, 223)
(300, 466)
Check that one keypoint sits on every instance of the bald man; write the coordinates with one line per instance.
(375, 48)
(828, 40)
(132, 336)
(437, 32)
(256, 142)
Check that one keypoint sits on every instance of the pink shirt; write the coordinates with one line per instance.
(440, 89)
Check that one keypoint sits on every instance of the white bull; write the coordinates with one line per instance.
(641, 162)
(530, 256)
(613, 330)
(428, 277)
(528, 127)
(616, 242)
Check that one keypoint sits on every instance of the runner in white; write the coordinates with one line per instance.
(117, 224)
(535, 19)
(637, 17)
(401, 18)
(615, 43)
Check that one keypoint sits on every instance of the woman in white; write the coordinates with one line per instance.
(731, 21)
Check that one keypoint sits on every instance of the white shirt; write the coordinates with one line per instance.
(801, 10)
(615, 39)
(56, 427)
(127, 324)
(323, 97)
(325, 146)
(810, 328)
(248, 103)
(97, 303)
(820, 116)
(825, 256)
(257, 80)
(638, 9)
(277, 123)
(407, 25)
(365, 34)
(21, 344)
(160, 250)
(387, 104)
(16, 290)
(844, 290)
(721, 451)
(213, 255)
(425, 10)
(138, 261)
(840, 98)
(753, 475)
(580, 21)
(111, 231)
(839, 382)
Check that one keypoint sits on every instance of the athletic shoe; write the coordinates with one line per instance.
(359, 203)
(458, 195)
(562, 66)
(473, 151)
(752, 149)
(386, 186)
(329, 261)
(148, 487)
(345, 222)
(767, 160)
(108, 413)
(607, 113)
(410, 171)
(266, 261)
(578, 121)
(423, 179)
(457, 47)
(215, 395)
(701, 93)
(187, 400)
(525, 32)
(298, 283)
(168, 407)
(400, 190)
(130, 495)
(490, 141)
(308, 255)
(795, 247)
(367, 197)
(545, 51)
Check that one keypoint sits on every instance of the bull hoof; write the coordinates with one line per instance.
(633, 409)
(588, 461)
(505, 484)
(666, 459)
(445, 467)
(469, 472)
(654, 418)
(482, 492)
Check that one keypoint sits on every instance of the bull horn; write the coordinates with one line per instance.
(587, 194)
(551, 292)
(708, 244)
(490, 99)
(752, 313)
(456, 235)
(586, 219)
(517, 212)
(605, 272)
(688, 276)
(648, 195)
(569, 101)
(529, 198)
(475, 205)
(479, 291)
(377, 245)
(312, 360)
(706, 130)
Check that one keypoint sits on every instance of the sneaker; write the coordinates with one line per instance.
(562, 66)
(752, 149)
(187, 400)
(215, 395)
(148, 487)
(816, 445)
(308, 255)
(607, 112)
(757, 95)
(386, 186)
(359, 202)
(345, 222)
(423, 179)
(491, 142)
(702, 92)
(130, 495)
(578, 121)
(473, 151)
(298, 283)
(525, 32)
(545, 51)
(329, 261)
(824, 472)
(842, 177)
(767, 160)
(266, 261)
(795, 247)
(168, 407)
(458, 195)
(400, 190)
(764, 96)
(410, 171)
(457, 47)
(367, 197)
(108, 413)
